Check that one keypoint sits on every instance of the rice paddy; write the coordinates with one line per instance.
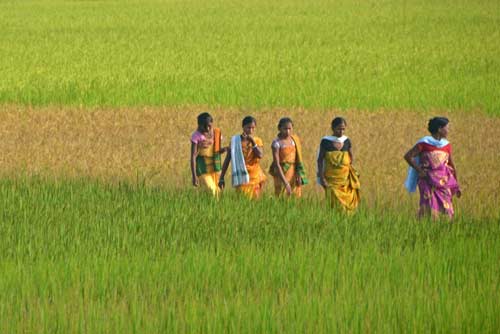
(82, 257)
(413, 54)
(101, 231)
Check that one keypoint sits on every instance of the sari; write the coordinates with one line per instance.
(292, 165)
(208, 161)
(342, 180)
(437, 189)
(256, 178)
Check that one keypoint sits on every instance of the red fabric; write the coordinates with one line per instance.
(424, 147)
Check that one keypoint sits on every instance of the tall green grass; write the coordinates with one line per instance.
(86, 257)
(314, 54)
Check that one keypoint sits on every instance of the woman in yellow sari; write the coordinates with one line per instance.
(245, 153)
(335, 171)
(206, 153)
(287, 168)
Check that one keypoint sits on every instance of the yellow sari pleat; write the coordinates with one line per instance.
(342, 181)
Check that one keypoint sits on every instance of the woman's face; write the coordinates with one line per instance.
(208, 127)
(443, 132)
(286, 130)
(339, 130)
(249, 129)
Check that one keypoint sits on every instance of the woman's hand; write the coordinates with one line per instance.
(195, 181)
(249, 138)
(459, 194)
(221, 184)
(298, 180)
(288, 189)
(422, 173)
(323, 182)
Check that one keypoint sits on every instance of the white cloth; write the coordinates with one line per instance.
(239, 173)
(334, 139)
(412, 176)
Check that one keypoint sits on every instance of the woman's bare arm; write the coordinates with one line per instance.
(452, 165)
(257, 150)
(194, 154)
(320, 165)
(410, 159)
(225, 166)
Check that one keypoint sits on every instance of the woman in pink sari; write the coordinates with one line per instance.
(432, 169)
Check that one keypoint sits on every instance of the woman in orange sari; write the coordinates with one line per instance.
(245, 153)
(335, 171)
(287, 168)
(206, 153)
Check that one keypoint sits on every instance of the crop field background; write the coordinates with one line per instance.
(84, 257)
(412, 54)
(101, 231)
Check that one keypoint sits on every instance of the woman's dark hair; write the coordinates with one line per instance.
(437, 123)
(284, 121)
(204, 119)
(248, 120)
(337, 121)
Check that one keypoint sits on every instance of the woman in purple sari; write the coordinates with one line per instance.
(432, 169)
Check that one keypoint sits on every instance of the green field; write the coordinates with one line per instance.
(100, 231)
(315, 54)
(83, 257)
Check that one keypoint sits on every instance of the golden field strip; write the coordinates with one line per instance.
(151, 146)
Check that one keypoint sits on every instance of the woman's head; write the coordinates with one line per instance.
(438, 126)
(285, 127)
(339, 125)
(248, 124)
(205, 122)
